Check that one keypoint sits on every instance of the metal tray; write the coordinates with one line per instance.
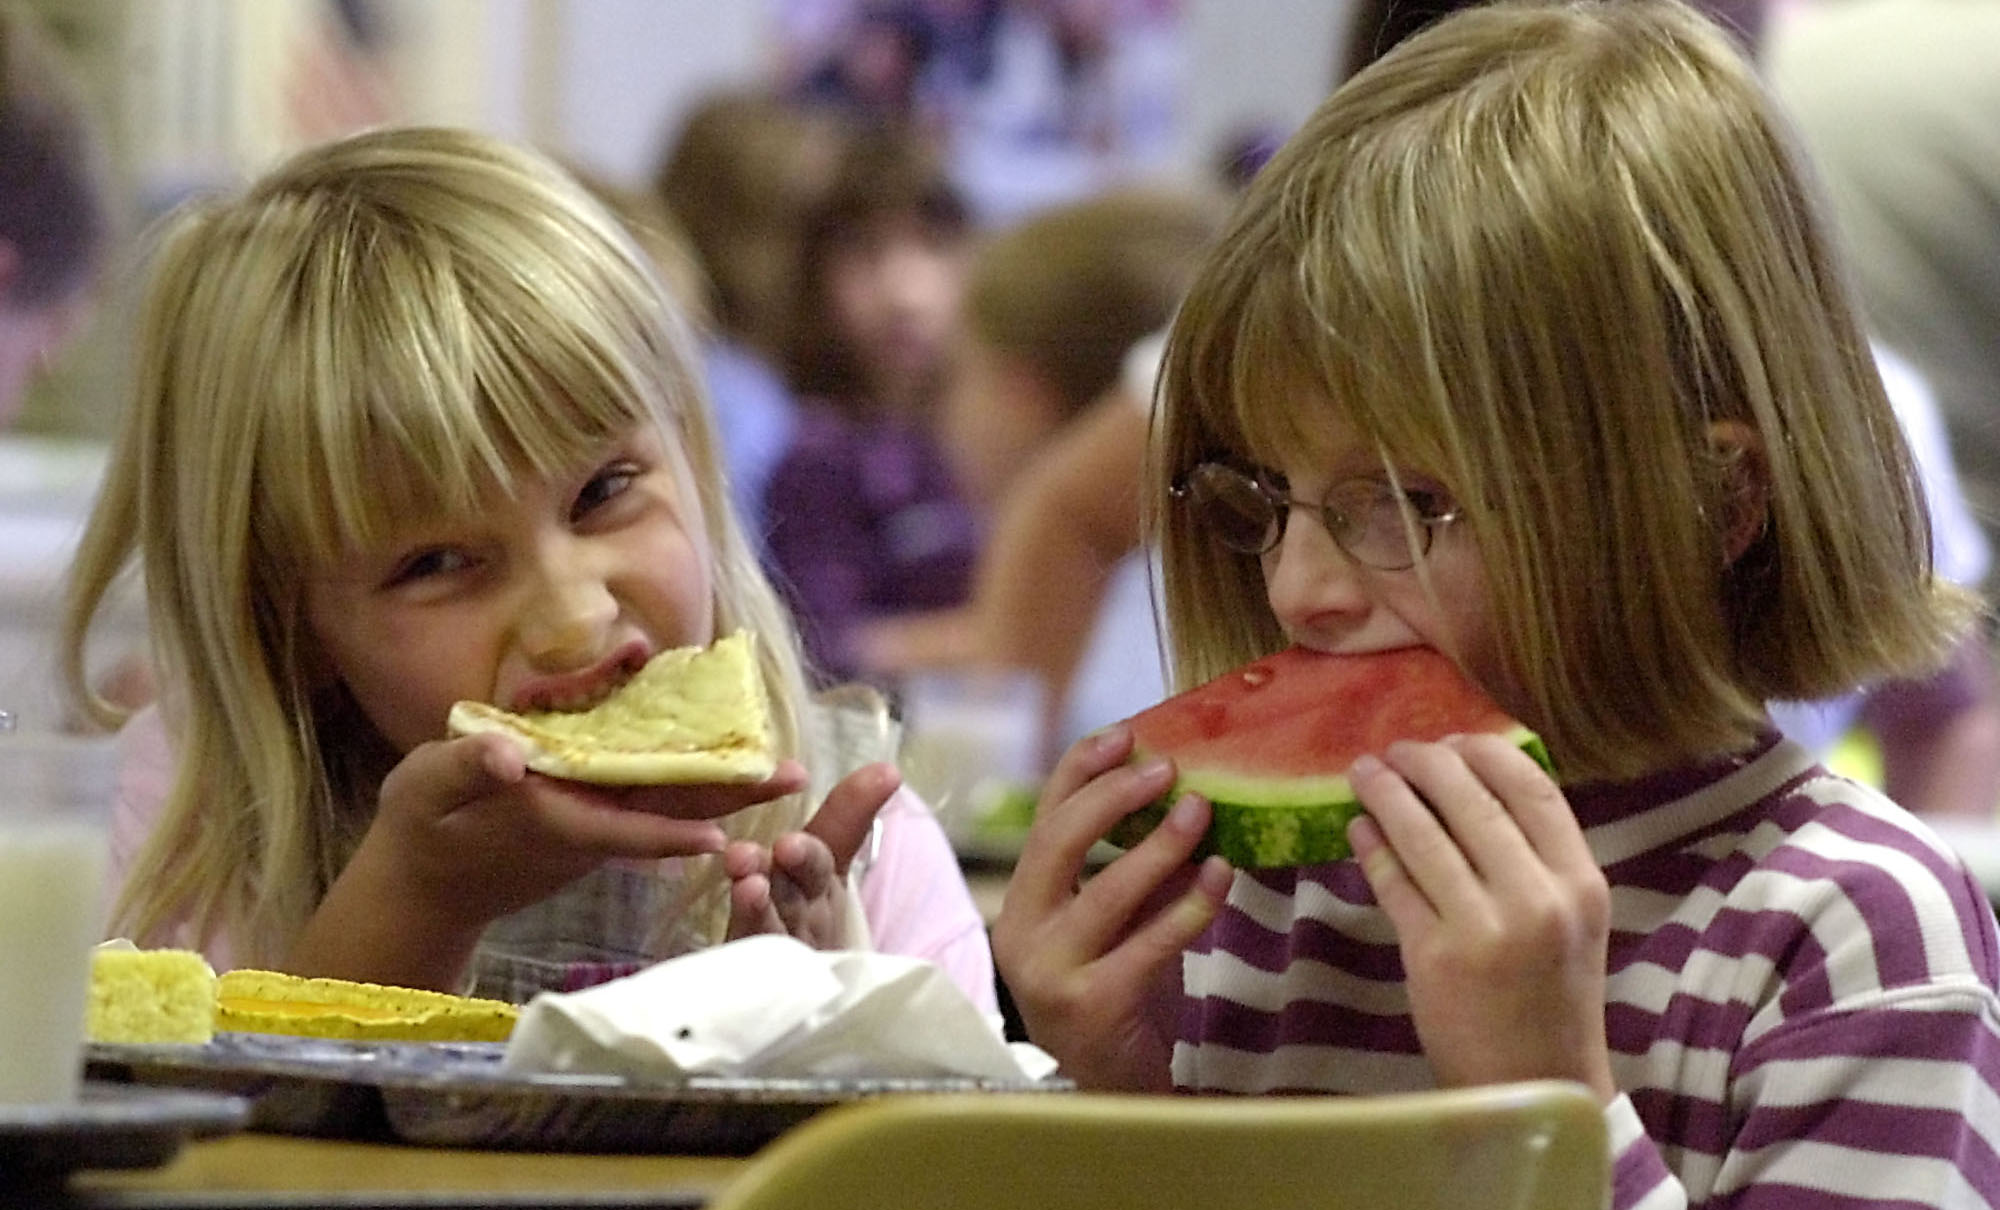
(455, 1094)
(109, 1126)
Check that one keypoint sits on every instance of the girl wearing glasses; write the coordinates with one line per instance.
(1530, 348)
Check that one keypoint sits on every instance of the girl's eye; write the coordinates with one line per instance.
(429, 563)
(604, 487)
(1429, 503)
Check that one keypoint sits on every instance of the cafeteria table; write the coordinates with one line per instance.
(258, 1170)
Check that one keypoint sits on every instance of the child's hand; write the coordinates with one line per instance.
(470, 820)
(465, 834)
(1095, 967)
(798, 886)
(1501, 913)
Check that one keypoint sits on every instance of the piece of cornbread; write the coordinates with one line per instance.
(150, 996)
(267, 1002)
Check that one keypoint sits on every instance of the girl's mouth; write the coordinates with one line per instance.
(583, 690)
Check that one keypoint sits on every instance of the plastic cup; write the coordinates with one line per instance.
(55, 796)
(969, 736)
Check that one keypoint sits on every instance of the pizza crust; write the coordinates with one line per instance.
(691, 715)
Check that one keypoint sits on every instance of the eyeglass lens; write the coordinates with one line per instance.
(1364, 516)
(1237, 510)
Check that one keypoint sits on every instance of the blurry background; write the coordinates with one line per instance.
(200, 93)
(898, 298)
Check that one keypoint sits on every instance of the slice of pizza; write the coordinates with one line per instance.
(692, 714)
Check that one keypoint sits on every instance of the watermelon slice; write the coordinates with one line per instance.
(1269, 744)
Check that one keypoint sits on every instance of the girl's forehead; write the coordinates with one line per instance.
(1289, 422)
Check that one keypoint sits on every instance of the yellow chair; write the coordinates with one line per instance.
(1528, 1146)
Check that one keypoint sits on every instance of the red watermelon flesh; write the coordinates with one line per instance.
(1269, 744)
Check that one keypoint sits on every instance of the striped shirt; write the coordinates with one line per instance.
(1801, 1003)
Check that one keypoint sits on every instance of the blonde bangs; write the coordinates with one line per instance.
(403, 322)
(426, 368)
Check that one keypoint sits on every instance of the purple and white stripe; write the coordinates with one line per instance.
(1801, 1001)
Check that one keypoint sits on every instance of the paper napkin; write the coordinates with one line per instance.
(773, 1007)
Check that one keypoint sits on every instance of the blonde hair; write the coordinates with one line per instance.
(1536, 252)
(424, 296)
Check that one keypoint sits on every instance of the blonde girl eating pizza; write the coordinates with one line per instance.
(415, 422)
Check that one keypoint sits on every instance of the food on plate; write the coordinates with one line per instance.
(147, 997)
(692, 714)
(267, 1002)
(1269, 744)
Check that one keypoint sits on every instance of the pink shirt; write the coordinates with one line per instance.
(912, 893)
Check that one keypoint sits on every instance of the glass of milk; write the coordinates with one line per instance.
(55, 798)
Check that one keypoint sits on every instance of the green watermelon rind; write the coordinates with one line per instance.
(1265, 823)
(1256, 837)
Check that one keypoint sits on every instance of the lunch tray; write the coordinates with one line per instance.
(457, 1094)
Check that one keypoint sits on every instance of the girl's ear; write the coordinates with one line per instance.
(1738, 450)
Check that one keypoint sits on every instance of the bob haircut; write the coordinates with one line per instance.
(1536, 252)
(427, 299)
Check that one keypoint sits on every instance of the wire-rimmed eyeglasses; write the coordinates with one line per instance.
(1376, 523)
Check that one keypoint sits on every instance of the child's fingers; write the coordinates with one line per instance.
(1162, 936)
(806, 863)
(1532, 798)
(1087, 758)
(1424, 851)
(751, 912)
(594, 823)
(1052, 856)
(715, 799)
(743, 858)
(1480, 823)
(1402, 900)
(439, 777)
(843, 821)
(1111, 905)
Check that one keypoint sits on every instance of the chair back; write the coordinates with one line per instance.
(1528, 1146)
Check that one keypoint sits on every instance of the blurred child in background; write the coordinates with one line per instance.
(866, 520)
(1056, 304)
(54, 211)
(738, 178)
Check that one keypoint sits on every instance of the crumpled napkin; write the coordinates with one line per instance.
(772, 1007)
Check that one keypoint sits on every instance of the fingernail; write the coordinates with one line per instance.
(1155, 767)
(1363, 766)
(1187, 815)
(1379, 865)
(1194, 911)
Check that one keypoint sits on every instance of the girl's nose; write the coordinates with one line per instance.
(1314, 587)
(567, 618)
